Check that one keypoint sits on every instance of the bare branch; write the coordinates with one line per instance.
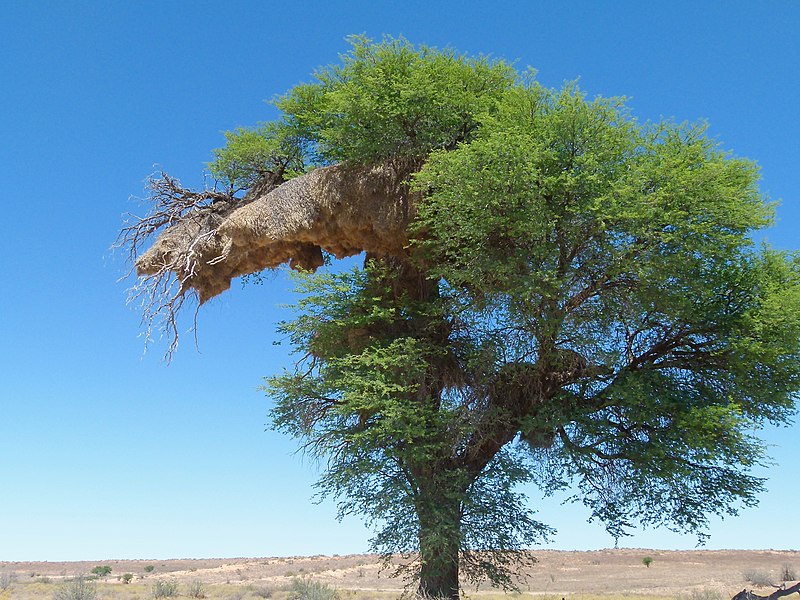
(162, 290)
(749, 595)
(171, 203)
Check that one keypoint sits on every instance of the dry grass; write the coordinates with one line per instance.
(141, 592)
(601, 575)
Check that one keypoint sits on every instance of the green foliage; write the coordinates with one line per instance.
(384, 101)
(392, 98)
(270, 149)
(582, 306)
(149, 569)
(552, 171)
(79, 588)
(574, 228)
(360, 393)
(647, 561)
(127, 577)
(101, 571)
(164, 589)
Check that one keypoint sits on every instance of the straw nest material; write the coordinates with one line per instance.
(341, 210)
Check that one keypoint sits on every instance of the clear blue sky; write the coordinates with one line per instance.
(106, 453)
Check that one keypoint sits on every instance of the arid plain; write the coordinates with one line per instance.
(686, 575)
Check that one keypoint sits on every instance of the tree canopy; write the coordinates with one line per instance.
(383, 102)
(579, 304)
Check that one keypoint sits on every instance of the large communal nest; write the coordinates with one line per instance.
(205, 239)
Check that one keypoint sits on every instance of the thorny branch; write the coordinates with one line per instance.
(162, 294)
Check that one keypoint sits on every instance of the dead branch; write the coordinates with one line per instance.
(171, 203)
(779, 593)
(162, 291)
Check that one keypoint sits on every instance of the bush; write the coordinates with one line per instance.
(101, 571)
(263, 592)
(165, 589)
(758, 578)
(79, 588)
(647, 561)
(149, 569)
(788, 573)
(196, 589)
(306, 589)
(6, 579)
(127, 577)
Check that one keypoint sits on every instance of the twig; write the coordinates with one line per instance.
(162, 292)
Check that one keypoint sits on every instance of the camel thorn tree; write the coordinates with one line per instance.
(552, 293)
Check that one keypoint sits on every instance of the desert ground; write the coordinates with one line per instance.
(604, 574)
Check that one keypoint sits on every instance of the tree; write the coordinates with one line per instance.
(101, 571)
(552, 293)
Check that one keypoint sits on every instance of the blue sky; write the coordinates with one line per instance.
(109, 453)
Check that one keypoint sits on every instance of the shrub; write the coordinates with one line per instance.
(79, 588)
(165, 589)
(101, 571)
(196, 589)
(788, 573)
(263, 592)
(149, 569)
(307, 589)
(647, 561)
(759, 578)
(127, 577)
(6, 579)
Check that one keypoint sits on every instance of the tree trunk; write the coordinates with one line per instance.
(439, 542)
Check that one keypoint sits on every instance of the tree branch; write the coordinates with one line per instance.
(162, 291)
(779, 593)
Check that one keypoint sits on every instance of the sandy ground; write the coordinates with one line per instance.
(596, 573)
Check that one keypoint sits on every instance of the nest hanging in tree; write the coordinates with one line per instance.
(341, 210)
(205, 239)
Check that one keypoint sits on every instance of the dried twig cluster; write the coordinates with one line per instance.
(162, 292)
